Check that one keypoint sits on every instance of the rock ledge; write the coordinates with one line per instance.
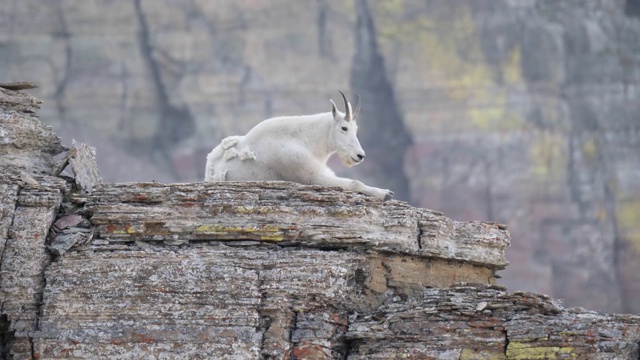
(259, 270)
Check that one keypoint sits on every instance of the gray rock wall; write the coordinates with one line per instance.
(266, 270)
(521, 112)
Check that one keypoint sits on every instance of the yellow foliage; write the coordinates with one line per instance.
(447, 55)
(590, 149)
(548, 158)
(628, 217)
(511, 72)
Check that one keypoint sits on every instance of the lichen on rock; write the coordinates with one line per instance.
(258, 270)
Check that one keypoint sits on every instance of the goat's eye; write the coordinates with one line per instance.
(344, 128)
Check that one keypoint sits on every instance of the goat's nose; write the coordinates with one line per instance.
(361, 157)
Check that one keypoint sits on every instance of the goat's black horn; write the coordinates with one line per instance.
(347, 107)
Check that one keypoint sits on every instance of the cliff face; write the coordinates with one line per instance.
(521, 112)
(535, 123)
(255, 270)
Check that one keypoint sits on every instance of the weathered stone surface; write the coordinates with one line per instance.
(82, 159)
(265, 270)
(25, 142)
(24, 258)
(523, 112)
(526, 113)
(21, 85)
(19, 102)
(84, 166)
(288, 214)
(487, 322)
(8, 200)
(64, 242)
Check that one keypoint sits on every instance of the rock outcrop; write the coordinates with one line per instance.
(266, 270)
(506, 102)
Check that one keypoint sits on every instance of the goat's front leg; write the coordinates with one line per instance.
(328, 179)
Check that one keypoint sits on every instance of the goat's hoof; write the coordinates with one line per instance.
(388, 196)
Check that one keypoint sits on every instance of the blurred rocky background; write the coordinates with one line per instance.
(524, 112)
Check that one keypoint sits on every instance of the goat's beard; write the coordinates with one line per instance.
(347, 160)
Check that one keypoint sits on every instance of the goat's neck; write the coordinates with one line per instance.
(322, 144)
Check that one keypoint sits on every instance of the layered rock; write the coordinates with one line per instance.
(507, 103)
(29, 203)
(259, 270)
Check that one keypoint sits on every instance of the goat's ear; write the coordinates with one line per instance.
(334, 110)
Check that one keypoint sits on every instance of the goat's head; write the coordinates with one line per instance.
(344, 133)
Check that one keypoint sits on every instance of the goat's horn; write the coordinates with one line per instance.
(356, 112)
(347, 107)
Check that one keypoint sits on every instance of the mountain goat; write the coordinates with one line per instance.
(294, 148)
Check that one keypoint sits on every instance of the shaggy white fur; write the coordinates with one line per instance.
(294, 148)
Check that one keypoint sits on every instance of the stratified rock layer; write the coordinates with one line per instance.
(487, 322)
(265, 270)
(233, 269)
(523, 112)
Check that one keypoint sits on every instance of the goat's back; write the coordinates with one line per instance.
(275, 149)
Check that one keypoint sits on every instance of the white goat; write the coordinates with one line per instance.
(294, 148)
